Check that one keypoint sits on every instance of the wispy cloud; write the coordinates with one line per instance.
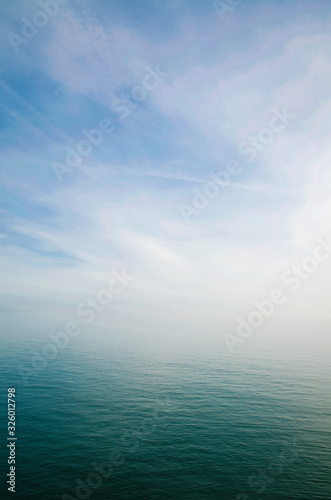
(120, 206)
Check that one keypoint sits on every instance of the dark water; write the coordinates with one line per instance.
(178, 420)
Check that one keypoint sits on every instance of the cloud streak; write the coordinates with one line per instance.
(119, 206)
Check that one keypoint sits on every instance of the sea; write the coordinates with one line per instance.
(150, 418)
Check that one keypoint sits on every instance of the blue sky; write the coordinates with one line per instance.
(182, 92)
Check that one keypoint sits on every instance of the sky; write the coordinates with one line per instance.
(117, 117)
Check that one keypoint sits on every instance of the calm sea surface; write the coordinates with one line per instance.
(178, 420)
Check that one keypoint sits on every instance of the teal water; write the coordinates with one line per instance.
(179, 420)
